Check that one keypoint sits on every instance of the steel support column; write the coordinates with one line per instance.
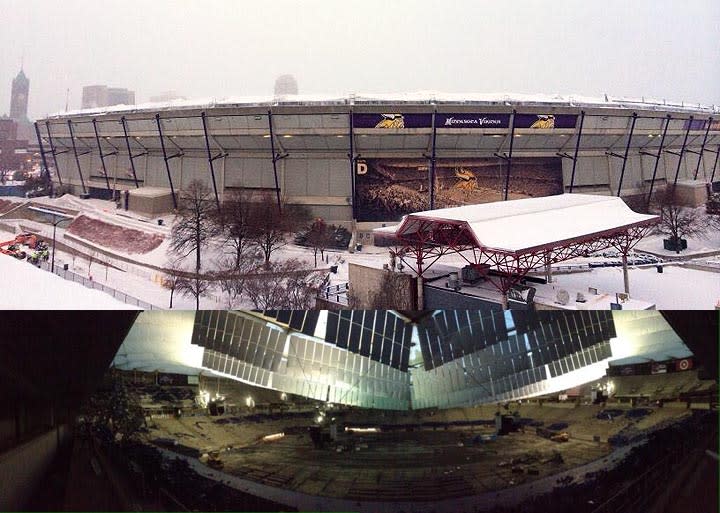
(102, 156)
(509, 157)
(657, 157)
(702, 149)
(210, 158)
(275, 158)
(166, 159)
(77, 157)
(682, 150)
(717, 155)
(131, 157)
(42, 156)
(577, 148)
(351, 157)
(431, 174)
(627, 149)
(53, 150)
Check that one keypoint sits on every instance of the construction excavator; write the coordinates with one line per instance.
(14, 247)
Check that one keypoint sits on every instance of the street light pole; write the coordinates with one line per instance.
(55, 223)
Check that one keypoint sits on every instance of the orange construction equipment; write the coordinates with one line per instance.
(9, 247)
(29, 239)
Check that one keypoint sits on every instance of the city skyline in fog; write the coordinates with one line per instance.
(661, 49)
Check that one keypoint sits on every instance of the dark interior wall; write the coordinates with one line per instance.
(49, 362)
(700, 330)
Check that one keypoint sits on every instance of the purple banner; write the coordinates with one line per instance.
(392, 120)
(465, 120)
(545, 121)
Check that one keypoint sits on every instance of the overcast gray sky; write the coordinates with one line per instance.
(660, 48)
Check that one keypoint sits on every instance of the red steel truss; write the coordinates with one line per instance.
(423, 241)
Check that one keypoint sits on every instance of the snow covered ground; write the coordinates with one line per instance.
(25, 287)
(676, 288)
(710, 243)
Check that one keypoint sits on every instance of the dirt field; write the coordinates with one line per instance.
(115, 237)
(405, 465)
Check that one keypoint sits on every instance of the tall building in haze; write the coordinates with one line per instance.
(103, 96)
(19, 97)
(285, 85)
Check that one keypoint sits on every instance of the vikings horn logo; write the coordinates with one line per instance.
(391, 121)
(544, 121)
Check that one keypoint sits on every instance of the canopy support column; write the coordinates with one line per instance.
(351, 159)
(77, 157)
(131, 157)
(211, 158)
(548, 267)
(508, 158)
(54, 151)
(166, 159)
(577, 148)
(42, 156)
(431, 185)
(627, 150)
(682, 151)
(717, 154)
(657, 157)
(275, 158)
(102, 156)
(702, 149)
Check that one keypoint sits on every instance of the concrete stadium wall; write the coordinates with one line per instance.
(601, 173)
(323, 183)
(23, 467)
(314, 145)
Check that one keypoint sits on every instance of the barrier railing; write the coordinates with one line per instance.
(335, 293)
(92, 284)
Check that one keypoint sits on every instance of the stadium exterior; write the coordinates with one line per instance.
(370, 160)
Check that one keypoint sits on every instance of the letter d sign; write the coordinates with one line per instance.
(361, 167)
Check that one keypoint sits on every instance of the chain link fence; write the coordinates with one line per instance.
(92, 284)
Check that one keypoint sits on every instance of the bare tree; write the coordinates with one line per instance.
(193, 285)
(271, 225)
(232, 279)
(237, 219)
(319, 238)
(678, 221)
(286, 285)
(195, 226)
(91, 257)
(170, 282)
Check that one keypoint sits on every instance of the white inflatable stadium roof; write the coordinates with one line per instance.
(421, 97)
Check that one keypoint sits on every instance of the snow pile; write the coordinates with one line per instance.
(26, 287)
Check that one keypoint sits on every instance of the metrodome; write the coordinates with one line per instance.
(365, 160)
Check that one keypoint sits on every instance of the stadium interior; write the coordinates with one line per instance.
(304, 410)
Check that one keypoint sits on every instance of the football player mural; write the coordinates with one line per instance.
(388, 188)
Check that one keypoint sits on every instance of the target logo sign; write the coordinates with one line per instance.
(685, 364)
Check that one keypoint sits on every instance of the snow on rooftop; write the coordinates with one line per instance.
(25, 287)
(419, 97)
(522, 224)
